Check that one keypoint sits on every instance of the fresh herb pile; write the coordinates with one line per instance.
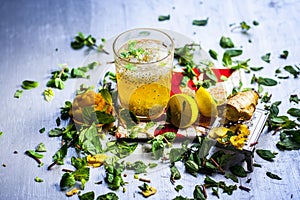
(88, 140)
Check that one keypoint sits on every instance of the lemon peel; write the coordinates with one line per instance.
(182, 110)
(206, 104)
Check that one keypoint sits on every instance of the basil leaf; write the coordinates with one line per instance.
(178, 187)
(28, 84)
(289, 140)
(163, 17)
(213, 54)
(295, 112)
(238, 171)
(226, 42)
(234, 52)
(273, 176)
(266, 154)
(202, 22)
(18, 94)
(266, 57)
(266, 81)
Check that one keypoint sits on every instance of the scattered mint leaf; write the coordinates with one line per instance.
(238, 170)
(87, 196)
(59, 156)
(48, 94)
(67, 181)
(245, 27)
(42, 130)
(292, 70)
(28, 84)
(232, 177)
(273, 176)
(294, 98)
(199, 193)
(138, 167)
(234, 52)
(256, 68)
(284, 54)
(152, 165)
(202, 22)
(178, 187)
(227, 62)
(175, 173)
(40, 147)
(107, 196)
(289, 140)
(295, 112)
(213, 54)
(266, 57)
(163, 17)
(266, 81)
(255, 23)
(18, 94)
(33, 153)
(38, 180)
(1, 133)
(266, 154)
(226, 42)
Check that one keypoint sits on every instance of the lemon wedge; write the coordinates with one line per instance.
(182, 110)
(206, 104)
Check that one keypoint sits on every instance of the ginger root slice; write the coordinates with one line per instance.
(239, 107)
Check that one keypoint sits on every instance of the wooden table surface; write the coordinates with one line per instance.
(35, 37)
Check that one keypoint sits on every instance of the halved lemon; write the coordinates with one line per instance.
(206, 104)
(182, 110)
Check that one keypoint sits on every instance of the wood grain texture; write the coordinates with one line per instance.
(35, 37)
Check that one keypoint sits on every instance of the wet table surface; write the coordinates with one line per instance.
(35, 38)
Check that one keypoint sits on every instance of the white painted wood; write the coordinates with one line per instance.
(32, 30)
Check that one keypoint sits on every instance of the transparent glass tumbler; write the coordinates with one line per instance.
(144, 62)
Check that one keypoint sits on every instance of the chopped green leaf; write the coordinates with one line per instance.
(40, 147)
(256, 68)
(294, 98)
(138, 167)
(202, 22)
(226, 42)
(33, 153)
(273, 176)
(266, 154)
(42, 130)
(163, 17)
(178, 187)
(38, 180)
(28, 84)
(213, 54)
(48, 94)
(244, 26)
(175, 173)
(226, 60)
(266, 57)
(199, 193)
(289, 140)
(87, 196)
(255, 23)
(152, 165)
(284, 54)
(18, 94)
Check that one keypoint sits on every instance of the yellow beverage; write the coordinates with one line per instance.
(144, 72)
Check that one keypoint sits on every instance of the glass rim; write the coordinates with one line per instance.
(150, 29)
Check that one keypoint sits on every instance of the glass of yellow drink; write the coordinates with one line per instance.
(144, 63)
